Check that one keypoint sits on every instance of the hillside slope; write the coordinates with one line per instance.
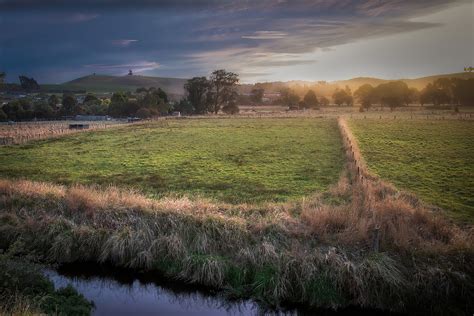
(106, 83)
(418, 83)
(326, 88)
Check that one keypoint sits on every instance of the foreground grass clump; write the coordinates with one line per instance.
(433, 159)
(24, 290)
(310, 253)
(231, 160)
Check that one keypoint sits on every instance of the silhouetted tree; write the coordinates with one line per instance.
(69, 105)
(463, 91)
(341, 97)
(184, 106)
(323, 101)
(28, 84)
(3, 115)
(310, 101)
(53, 101)
(290, 98)
(365, 95)
(392, 94)
(91, 99)
(43, 110)
(432, 94)
(197, 90)
(256, 95)
(223, 85)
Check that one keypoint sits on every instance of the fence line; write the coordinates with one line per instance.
(21, 133)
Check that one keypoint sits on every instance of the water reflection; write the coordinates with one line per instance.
(124, 292)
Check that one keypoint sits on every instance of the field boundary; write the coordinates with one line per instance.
(22, 133)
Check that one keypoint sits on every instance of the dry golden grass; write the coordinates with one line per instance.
(21, 133)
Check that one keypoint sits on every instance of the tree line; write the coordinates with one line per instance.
(444, 91)
(144, 103)
(202, 96)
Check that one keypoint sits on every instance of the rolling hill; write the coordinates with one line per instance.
(327, 88)
(107, 83)
(418, 83)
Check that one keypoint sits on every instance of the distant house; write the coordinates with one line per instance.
(92, 118)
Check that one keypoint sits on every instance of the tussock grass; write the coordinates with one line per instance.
(306, 252)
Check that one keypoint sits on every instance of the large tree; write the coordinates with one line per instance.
(310, 100)
(28, 84)
(393, 94)
(290, 98)
(341, 97)
(256, 95)
(53, 101)
(365, 95)
(69, 105)
(223, 86)
(434, 95)
(156, 101)
(463, 91)
(197, 90)
(119, 104)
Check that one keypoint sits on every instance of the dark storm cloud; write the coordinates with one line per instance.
(58, 40)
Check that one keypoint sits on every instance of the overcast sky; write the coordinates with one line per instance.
(267, 40)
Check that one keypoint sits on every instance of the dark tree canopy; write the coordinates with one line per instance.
(256, 95)
(323, 101)
(341, 97)
(310, 100)
(213, 94)
(197, 89)
(290, 98)
(393, 94)
(223, 92)
(366, 96)
(28, 84)
(69, 105)
(450, 91)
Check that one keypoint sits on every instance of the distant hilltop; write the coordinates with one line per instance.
(107, 83)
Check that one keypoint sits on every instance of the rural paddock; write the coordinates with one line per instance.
(356, 241)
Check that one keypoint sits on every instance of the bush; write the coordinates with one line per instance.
(230, 109)
(143, 113)
(3, 116)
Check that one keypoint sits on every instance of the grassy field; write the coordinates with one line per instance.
(238, 160)
(433, 159)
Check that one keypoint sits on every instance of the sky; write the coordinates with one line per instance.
(262, 40)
